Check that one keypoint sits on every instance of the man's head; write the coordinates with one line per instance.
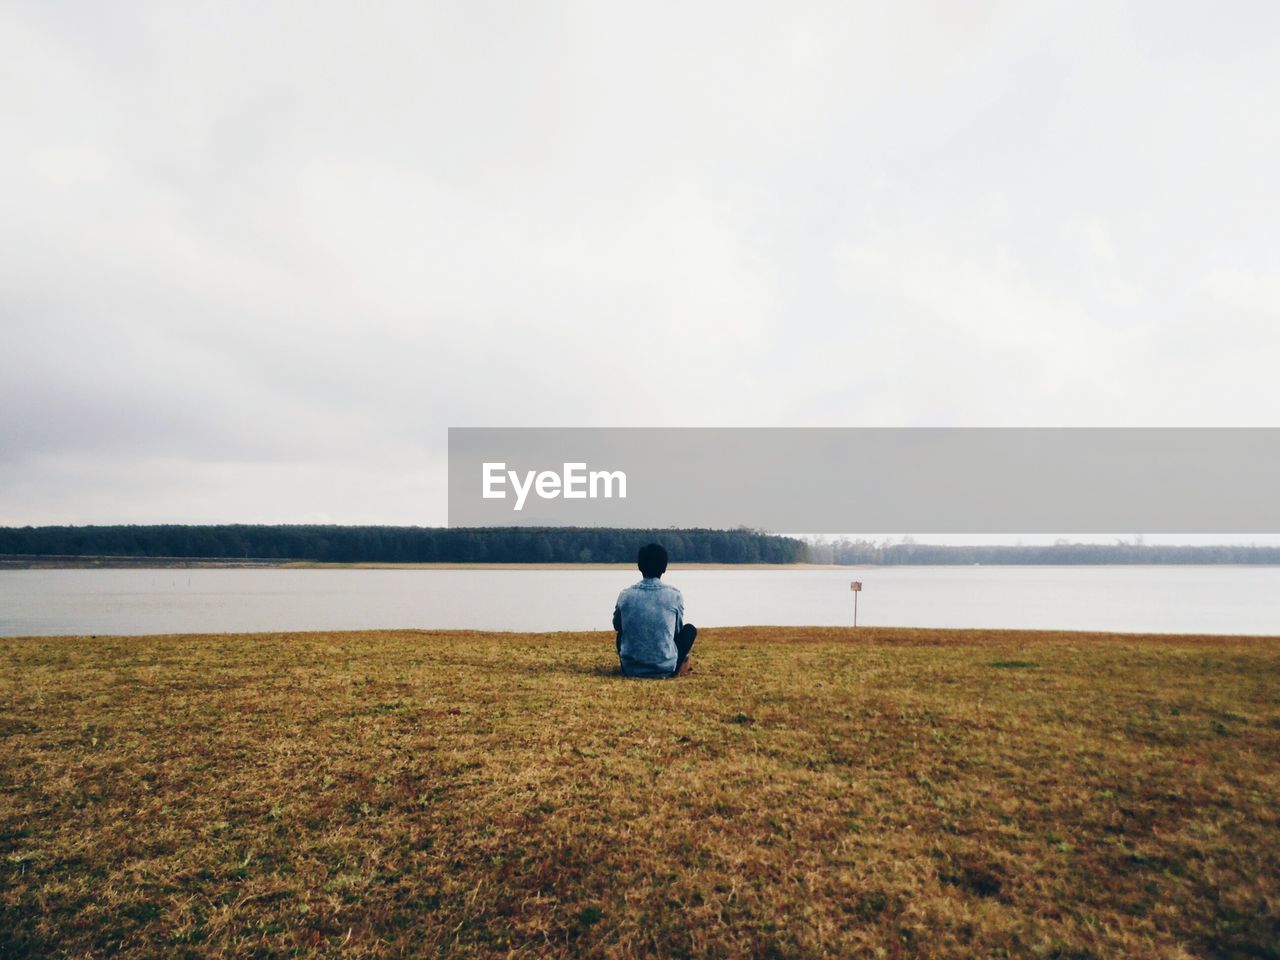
(652, 560)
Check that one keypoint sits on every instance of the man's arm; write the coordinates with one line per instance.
(617, 620)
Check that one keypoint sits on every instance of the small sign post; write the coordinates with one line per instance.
(856, 587)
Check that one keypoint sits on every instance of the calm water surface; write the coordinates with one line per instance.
(1215, 599)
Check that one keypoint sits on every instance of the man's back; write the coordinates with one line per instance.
(648, 616)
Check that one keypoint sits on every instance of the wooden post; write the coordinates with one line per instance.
(856, 587)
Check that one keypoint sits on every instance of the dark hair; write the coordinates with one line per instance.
(652, 560)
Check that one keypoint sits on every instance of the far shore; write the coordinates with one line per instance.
(308, 564)
(189, 563)
(166, 563)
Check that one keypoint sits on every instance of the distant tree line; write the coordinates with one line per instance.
(350, 544)
(907, 552)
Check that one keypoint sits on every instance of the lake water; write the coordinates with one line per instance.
(1213, 599)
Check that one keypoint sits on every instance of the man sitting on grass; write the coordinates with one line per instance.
(653, 639)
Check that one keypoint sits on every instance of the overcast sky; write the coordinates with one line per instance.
(256, 258)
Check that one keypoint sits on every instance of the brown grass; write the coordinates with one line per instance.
(808, 792)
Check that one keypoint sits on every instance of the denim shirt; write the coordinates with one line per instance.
(649, 614)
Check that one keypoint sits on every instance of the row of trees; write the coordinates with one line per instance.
(345, 544)
(342, 544)
(907, 552)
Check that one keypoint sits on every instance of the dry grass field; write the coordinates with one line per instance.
(807, 792)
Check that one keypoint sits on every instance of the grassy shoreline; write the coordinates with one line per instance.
(808, 792)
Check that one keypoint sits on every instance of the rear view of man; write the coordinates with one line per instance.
(653, 639)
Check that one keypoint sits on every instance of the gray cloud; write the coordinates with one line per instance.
(256, 258)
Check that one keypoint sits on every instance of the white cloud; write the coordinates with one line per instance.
(255, 249)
